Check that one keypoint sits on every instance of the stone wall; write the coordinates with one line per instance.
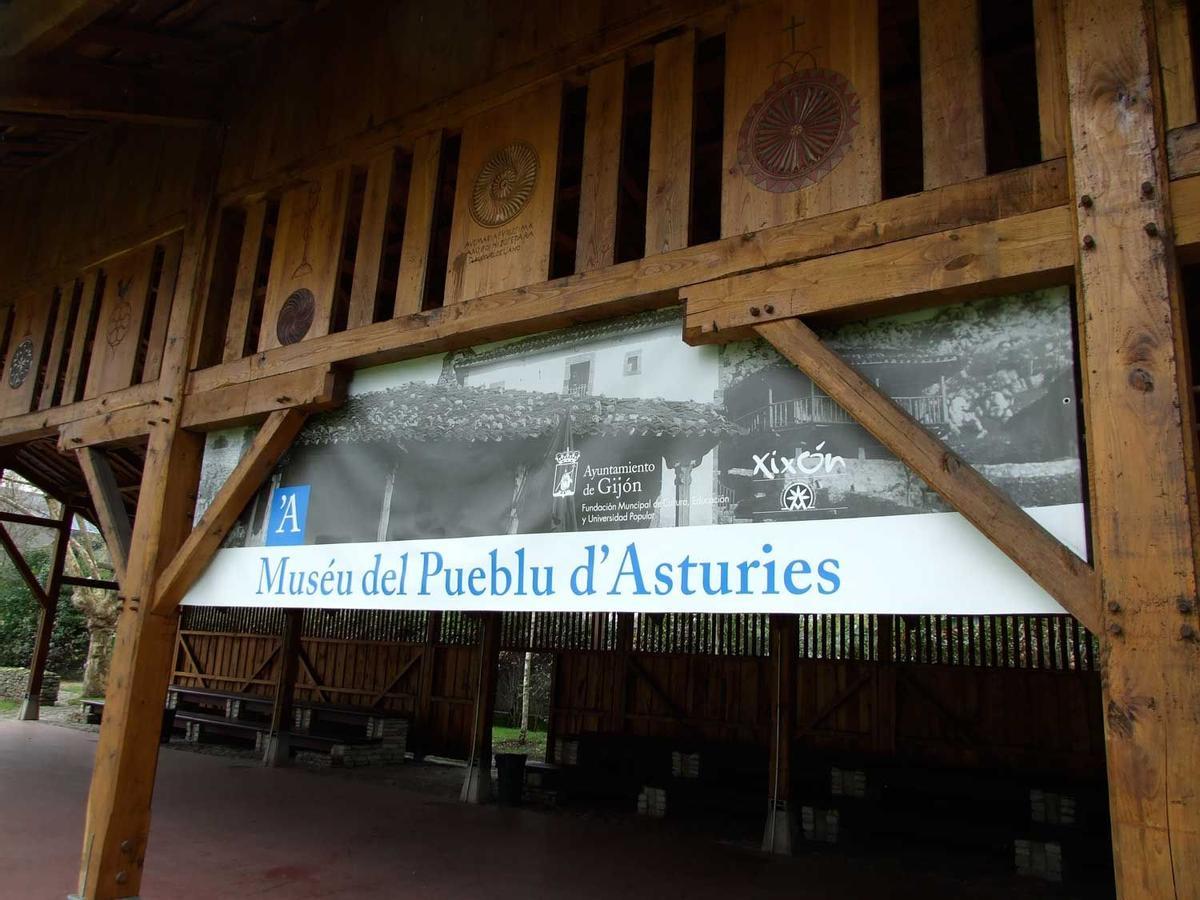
(13, 681)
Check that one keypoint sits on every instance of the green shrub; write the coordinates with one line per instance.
(19, 617)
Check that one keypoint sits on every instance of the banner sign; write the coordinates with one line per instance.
(613, 467)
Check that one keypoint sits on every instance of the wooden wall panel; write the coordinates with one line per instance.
(360, 63)
(122, 307)
(114, 191)
(839, 36)
(308, 246)
(1051, 77)
(24, 356)
(669, 190)
(597, 236)
(951, 92)
(496, 242)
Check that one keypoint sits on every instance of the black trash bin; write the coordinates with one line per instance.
(510, 772)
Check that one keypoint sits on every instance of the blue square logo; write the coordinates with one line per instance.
(289, 515)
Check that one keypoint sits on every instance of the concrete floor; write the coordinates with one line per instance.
(227, 828)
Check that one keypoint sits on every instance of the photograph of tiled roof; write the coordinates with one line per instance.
(425, 413)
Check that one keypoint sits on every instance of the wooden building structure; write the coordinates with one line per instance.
(216, 210)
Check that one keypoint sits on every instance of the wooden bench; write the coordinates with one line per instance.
(93, 711)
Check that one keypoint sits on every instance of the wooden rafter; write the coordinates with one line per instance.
(30, 27)
(1063, 575)
(110, 508)
(271, 442)
(115, 94)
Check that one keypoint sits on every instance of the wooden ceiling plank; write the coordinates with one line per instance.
(32, 27)
(112, 93)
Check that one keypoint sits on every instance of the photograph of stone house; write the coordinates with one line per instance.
(994, 379)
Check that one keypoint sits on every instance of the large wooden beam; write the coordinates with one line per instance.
(1018, 253)
(30, 27)
(110, 508)
(1140, 445)
(117, 824)
(271, 442)
(477, 785)
(111, 93)
(17, 558)
(1060, 572)
(647, 283)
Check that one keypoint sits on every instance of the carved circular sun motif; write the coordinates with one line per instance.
(118, 323)
(22, 362)
(296, 316)
(504, 185)
(798, 130)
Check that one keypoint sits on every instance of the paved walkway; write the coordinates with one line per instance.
(227, 828)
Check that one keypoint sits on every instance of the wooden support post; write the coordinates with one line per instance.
(278, 750)
(477, 786)
(1140, 443)
(777, 834)
(951, 92)
(885, 687)
(620, 695)
(1051, 77)
(31, 705)
(372, 230)
(433, 627)
(418, 224)
(117, 824)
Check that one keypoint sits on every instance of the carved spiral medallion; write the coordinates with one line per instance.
(22, 362)
(798, 130)
(504, 185)
(296, 316)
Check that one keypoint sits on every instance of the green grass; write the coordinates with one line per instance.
(508, 740)
(7, 705)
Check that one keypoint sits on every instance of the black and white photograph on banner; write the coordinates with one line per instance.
(618, 426)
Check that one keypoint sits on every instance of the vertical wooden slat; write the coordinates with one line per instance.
(75, 375)
(418, 223)
(1051, 77)
(172, 251)
(57, 345)
(669, 188)
(371, 233)
(1175, 61)
(951, 92)
(244, 281)
(596, 243)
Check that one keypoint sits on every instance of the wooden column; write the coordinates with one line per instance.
(278, 749)
(620, 695)
(597, 240)
(117, 825)
(1140, 443)
(477, 786)
(31, 706)
(777, 834)
(885, 687)
(433, 626)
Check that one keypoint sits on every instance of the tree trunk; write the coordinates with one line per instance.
(525, 696)
(99, 655)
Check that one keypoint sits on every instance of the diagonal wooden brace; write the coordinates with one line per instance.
(1042, 556)
(271, 442)
(109, 505)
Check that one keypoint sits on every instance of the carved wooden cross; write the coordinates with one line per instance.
(791, 28)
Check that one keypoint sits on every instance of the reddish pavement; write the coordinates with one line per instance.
(230, 828)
